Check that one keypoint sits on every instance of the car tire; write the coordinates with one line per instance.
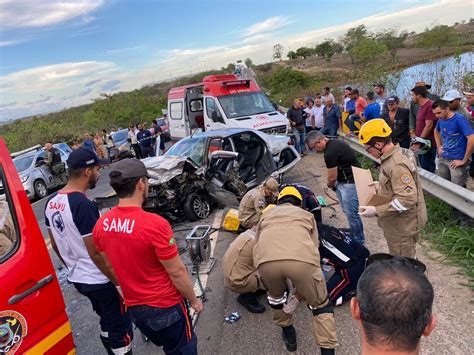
(41, 190)
(196, 207)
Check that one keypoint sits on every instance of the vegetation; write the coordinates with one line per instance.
(392, 40)
(328, 48)
(438, 37)
(278, 52)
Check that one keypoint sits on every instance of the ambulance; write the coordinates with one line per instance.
(220, 102)
(33, 317)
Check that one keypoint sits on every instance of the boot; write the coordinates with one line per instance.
(289, 336)
(325, 351)
(249, 300)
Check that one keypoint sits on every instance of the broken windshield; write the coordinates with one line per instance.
(245, 104)
(192, 148)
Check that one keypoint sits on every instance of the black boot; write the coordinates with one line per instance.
(325, 351)
(249, 300)
(105, 341)
(289, 336)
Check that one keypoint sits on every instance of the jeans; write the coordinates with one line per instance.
(168, 327)
(300, 138)
(427, 160)
(115, 321)
(329, 131)
(457, 176)
(350, 122)
(347, 195)
(147, 151)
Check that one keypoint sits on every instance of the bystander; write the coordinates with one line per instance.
(332, 118)
(381, 97)
(398, 119)
(295, 117)
(372, 110)
(453, 97)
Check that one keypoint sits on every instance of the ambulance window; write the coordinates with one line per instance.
(176, 110)
(9, 235)
(212, 110)
(196, 105)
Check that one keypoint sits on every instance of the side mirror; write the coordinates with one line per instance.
(275, 105)
(217, 118)
(224, 154)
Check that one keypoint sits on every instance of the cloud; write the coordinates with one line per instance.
(8, 104)
(112, 85)
(40, 101)
(23, 14)
(53, 77)
(85, 92)
(270, 24)
(90, 83)
(265, 37)
(11, 42)
(122, 50)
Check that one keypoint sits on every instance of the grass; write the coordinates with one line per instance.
(446, 235)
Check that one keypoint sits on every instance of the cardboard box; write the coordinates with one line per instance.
(367, 195)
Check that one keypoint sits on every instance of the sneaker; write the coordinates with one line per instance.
(289, 336)
(250, 302)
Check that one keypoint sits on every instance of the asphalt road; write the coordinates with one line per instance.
(255, 333)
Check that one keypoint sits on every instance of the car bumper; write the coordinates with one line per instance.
(29, 189)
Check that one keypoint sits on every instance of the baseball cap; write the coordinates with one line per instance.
(469, 93)
(422, 83)
(451, 95)
(84, 158)
(393, 99)
(380, 85)
(129, 168)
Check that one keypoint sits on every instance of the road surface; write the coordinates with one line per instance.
(255, 333)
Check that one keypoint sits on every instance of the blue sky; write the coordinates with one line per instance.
(56, 54)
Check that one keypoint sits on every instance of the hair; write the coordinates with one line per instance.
(371, 95)
(395, 301)
(355, 91)
(327, 88)
(375, 140)
(155, 122)
(442, 104)
(124, 187)
(348, 88)
(314, 136)
(291, 200)
(420, 90)
(74, 174)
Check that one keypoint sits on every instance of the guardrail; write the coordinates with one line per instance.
(454, 195)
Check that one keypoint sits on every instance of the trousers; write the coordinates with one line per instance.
(402, 246)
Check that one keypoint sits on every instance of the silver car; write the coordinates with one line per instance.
(35, 175)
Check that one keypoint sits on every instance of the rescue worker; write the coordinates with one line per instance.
(240, 274)
(404, 216)
(53, 160)
(287, 248)
(310, 201)
(7, 229)
(254, 202)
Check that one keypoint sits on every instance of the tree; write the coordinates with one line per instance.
(230, 67)
(366, 51)
(392, 40)
(248, 62)
(352, 38)
(277, 51)
(291, 55)
(327, 49)
(283, 79)
(438, 37)
(304, 52)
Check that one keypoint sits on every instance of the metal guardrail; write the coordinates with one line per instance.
(454, 195)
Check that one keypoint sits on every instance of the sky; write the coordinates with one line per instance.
(55, 54)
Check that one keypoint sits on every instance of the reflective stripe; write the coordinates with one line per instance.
(277, 301)
(123, 350)
(335, 251)
(52, 339)
(397, 205)
(104, 334)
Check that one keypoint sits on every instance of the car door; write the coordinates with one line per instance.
(45, 170)
(286, 159)
(33, 319)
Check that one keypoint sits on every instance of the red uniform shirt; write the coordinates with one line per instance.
(135, 241)
(425, 113)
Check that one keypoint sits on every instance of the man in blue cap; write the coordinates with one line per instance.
(70, 218)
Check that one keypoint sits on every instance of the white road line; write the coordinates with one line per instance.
(215, 224)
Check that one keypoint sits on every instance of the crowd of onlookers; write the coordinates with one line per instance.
(143, 141)
(439, 129)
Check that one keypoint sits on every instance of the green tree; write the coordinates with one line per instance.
(278, 51)
(291, 55)
(352, 38)
(367, 51)
(248, 62)
(304, 52)
(438, 37)
(284, 78)
(328, 48)
(393, 40)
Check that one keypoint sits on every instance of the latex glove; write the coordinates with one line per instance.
(376, 184)
(367, 211)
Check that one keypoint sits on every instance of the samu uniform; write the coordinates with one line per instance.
(251, 207)
(405, 215)
(240, 274)
(287, 247)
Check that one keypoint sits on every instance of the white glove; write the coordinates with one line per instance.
(367, 211)
(375, 184)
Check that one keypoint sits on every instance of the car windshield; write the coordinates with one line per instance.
(23, 163)
(120, 135)
(192, 148)
(246, 104)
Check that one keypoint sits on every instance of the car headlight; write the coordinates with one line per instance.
(25, 178)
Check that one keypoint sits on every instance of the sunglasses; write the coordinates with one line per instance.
(418, 265)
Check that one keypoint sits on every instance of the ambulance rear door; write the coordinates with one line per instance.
(33, 318)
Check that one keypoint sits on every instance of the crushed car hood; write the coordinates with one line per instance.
(275, 142)
(163, 168)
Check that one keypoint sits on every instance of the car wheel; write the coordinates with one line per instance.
(41, 190)
(196, 207)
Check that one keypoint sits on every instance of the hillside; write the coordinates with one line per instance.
(283, 80)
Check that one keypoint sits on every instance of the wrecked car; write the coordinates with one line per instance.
(211, 167)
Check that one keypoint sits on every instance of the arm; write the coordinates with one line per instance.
(181, 280)
(55, 247)
(332, 177)
(467, 155)
(438, 140)
(428, 128)
(100, 260)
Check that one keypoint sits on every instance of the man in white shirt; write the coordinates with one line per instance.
(317, 114)
(309, 120)
(327, 94)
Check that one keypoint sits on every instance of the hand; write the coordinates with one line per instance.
(440, 152)
(367, 211)
(197, 305)
(376, 185)
(415, 147)
(457, 163)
